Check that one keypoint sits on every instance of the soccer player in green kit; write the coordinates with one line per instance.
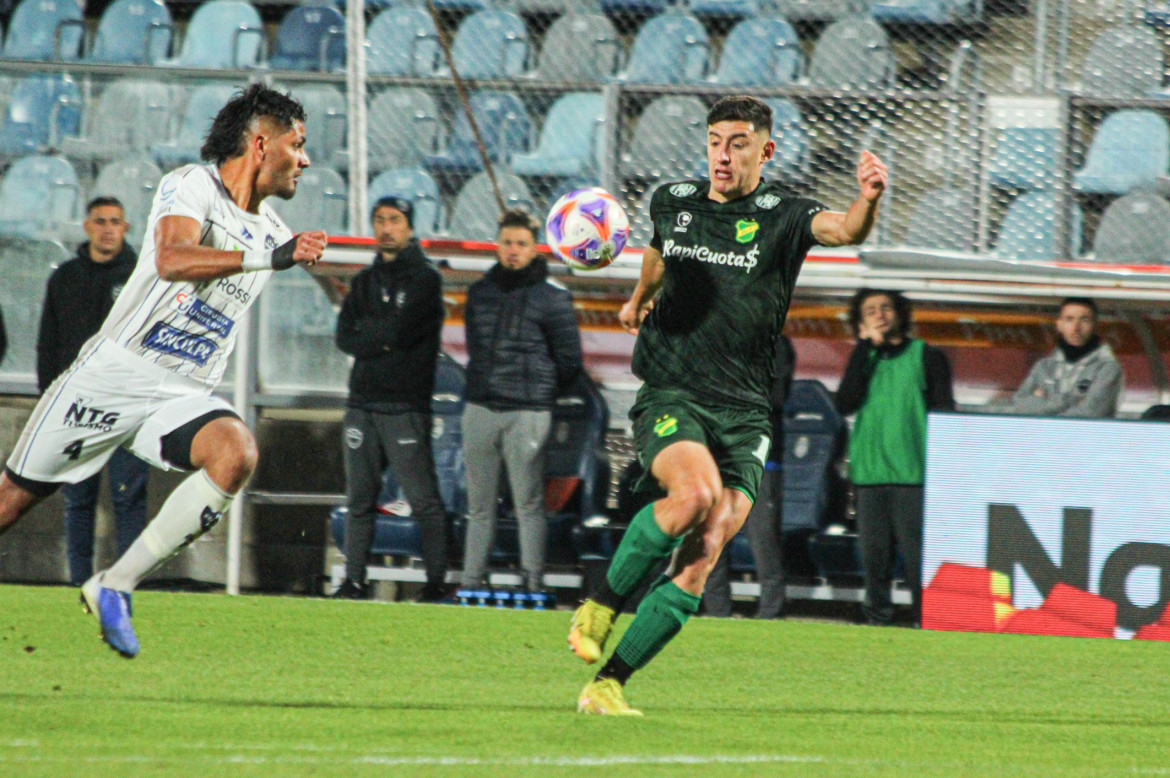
(714, 289)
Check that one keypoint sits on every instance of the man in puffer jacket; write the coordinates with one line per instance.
(523, 350)
(1081, 377)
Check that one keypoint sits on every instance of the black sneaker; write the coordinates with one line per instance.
(351, 590)
(433, 592)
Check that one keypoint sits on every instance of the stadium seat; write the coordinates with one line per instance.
(760, 52)
(476, 214)
(1028, 227)
(129, 116)
(570, 139)
(310, 38)
(1123, 61)
(943, 219)
(671, 48)
(641, 228)
(402, 42)
(624, 9)
(815, 10)
(1131, 148)
(814, 433)
(790, 161)
(1024, 158)
(39, 196)
(298, 325)
(321, 202)
(852, 53)
(133, 32)
(930, 12)
(27, 263)
(415, 185)
(669, 140)
(403, 128)
(132, 180)
(45, 30)
(1134, 230)
(579, 47)
(42, 112)
(325, 122)
(203, 105)
(222, 34)
(504, 125)
(724, 9)
(490, 44)
(550, 7)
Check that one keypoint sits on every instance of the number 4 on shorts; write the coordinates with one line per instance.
(73, 450)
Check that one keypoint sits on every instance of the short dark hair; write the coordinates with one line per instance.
(228, 134)
(517, 217)
(104, 200)
(742, 108)
(901, 303)
(401, 204)
(1085, 301)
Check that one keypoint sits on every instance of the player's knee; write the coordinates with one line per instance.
(696, 498)
(233, 458)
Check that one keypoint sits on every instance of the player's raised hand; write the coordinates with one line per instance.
(306, 248)
(633, 313)
(872, 176)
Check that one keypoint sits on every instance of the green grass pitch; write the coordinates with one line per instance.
(285, 686)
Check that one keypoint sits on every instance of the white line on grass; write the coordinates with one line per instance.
(435, 761)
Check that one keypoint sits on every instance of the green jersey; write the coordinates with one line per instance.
(730, 269)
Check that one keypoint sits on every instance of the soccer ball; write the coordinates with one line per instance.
(587, 228)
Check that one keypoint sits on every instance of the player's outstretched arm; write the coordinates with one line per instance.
(642, 300)
(179, 256)
(851, 228)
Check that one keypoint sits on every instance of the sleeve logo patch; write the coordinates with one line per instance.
(665, 425)
(767, 202)
(683, 190)
(745, 230)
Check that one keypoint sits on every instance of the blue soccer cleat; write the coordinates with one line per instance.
(112, 609)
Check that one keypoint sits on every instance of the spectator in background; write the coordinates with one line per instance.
(523, 351)
(80, 294)
(391, 322)
(1081, 377)
(763, 524)
(891, 382)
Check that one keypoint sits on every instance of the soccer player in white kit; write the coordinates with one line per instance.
(145, 380)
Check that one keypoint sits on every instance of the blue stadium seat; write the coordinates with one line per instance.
(126, 119)
(476, 214)
(222, 34)
(760, 52)
(27, 263)
(1024, 158)
(1123, 61)
(671, 48)
(42, 112)
(814, 10)
(490, 44)
(1134, 230)
(853, 53)
(403, 128)
(202, 106)
(790, 161)
(45, 30)
(669, 139)
(1028, 227)
(570, 139)
(724, 9)
(620, 9)
(133, 32)
(813, 438)
(321, 202)
(641, 228)
(943, 219)
(39, 195)
(310, 37)
(504, 125)
(417, 186)
(1131, 148)
(132, 180)
(579, 47)
(402, 42)
(927, 11)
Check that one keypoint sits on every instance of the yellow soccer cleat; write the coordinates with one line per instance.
(605, 698)
(591, 626)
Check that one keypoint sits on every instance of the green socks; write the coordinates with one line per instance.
(643, 546)
(661, 615)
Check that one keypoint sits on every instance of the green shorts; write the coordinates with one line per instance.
(738, 439)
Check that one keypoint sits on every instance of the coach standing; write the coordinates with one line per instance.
(79, 296)
(391, 322)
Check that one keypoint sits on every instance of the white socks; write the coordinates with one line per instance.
(194, 507)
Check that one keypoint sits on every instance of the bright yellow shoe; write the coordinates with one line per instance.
(591, 626)
(605, 698)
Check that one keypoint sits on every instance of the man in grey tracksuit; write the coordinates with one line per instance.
(523, 351)
(1081, 377)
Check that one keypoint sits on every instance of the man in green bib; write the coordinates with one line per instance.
(714, 289)
(891, 381)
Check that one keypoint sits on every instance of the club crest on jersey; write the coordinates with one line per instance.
(81, 414)
(201, 313)
(185, 345)
(767, 201)
(745, 230)
(682, 222)
(665, 426)
(269, 242)
(683, 190)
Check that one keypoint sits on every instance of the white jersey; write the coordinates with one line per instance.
(187, 327)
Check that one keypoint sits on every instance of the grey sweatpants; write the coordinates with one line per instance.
(516, 441)
(401, 441)
(763, 533)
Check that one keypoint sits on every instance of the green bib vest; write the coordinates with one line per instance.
(888, 441)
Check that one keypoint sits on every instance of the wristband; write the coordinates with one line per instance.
(280, 258)
(256, 260)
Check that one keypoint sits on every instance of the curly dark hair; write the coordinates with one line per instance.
(518, 217)
(227, 137)
(742, 108)
(901, 307)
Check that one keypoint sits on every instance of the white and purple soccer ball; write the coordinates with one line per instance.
(587, 228)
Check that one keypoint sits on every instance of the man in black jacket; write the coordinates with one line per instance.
(79, 296)
(523, 350)
(391, 322)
